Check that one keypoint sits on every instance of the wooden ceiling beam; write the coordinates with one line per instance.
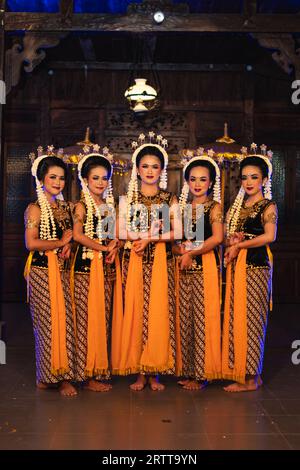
(95, 65)
(137, 23)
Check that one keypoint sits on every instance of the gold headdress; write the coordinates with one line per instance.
(47, 224)
(94, 151)
(161, 144)
(235, 209)
(199, 155)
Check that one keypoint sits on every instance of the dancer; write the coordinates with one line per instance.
(198, 291)
(251, 227)
(148, 335)
(96, 272)
(48, 234)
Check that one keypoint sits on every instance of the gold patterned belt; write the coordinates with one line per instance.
(249, 235)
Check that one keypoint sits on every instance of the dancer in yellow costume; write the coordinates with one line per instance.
(148, 334)
(251, 227)
(198, 267)
(96, 272)
(48, 224)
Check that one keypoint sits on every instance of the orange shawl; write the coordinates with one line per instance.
(131, 340)
(97, 358)
(212, 364)
(238, 373)
(27, 273)
(156, 356)
(117, 318)
(59, 358)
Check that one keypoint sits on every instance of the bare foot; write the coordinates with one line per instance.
(195, 385)
(139, 384)
(67, 390)
(183, 382)
(249, 386)
(96, 386)
(42, 386)
(45, 386)
(155, 385)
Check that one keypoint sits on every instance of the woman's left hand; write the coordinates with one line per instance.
(186, 261)
(231, 253)
(113, 244)
(139, 246)
(111, 255)
(65, 253)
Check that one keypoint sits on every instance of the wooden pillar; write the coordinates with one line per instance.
(2, 10)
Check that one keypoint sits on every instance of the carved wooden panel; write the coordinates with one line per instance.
(168, 121)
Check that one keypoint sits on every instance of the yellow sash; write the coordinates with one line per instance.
(117, 319)
(97, 359)
(27, 273)
(238, 373)
(157, 354)
(131, 340)
(213, 367)
(59, 358)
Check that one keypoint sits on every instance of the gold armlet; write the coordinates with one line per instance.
(77, 218)
(217, 218)
(30, 223)
(271, 218)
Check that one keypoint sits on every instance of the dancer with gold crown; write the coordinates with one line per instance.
(148, 334)
(48, 234)
(96, 272)
(250, 227)
(198, 351)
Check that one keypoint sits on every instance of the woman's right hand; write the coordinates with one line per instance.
(237, 237)
(179, 249)
(66, 237)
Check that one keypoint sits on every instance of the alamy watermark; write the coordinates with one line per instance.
(154, 224)
(296, 353)
(2, 352)
(2, 92)
(296, 93)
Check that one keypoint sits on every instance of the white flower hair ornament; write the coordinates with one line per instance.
(234, 212)
(92, 208)
(47, 224)
(161, 144)
(199, 156)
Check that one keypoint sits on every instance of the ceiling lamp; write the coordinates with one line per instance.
(140, 92)
(139, 107)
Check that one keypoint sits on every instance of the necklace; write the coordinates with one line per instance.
(252, 205)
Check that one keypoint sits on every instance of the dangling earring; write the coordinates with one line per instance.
(163, 179)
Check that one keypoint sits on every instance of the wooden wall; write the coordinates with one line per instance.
(57, 108)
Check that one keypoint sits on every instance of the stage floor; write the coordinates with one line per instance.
(173, 419)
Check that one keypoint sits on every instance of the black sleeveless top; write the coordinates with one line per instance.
(251, 223)
(161, 198)
(63, 221)
(82, 266)
(207, 231)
